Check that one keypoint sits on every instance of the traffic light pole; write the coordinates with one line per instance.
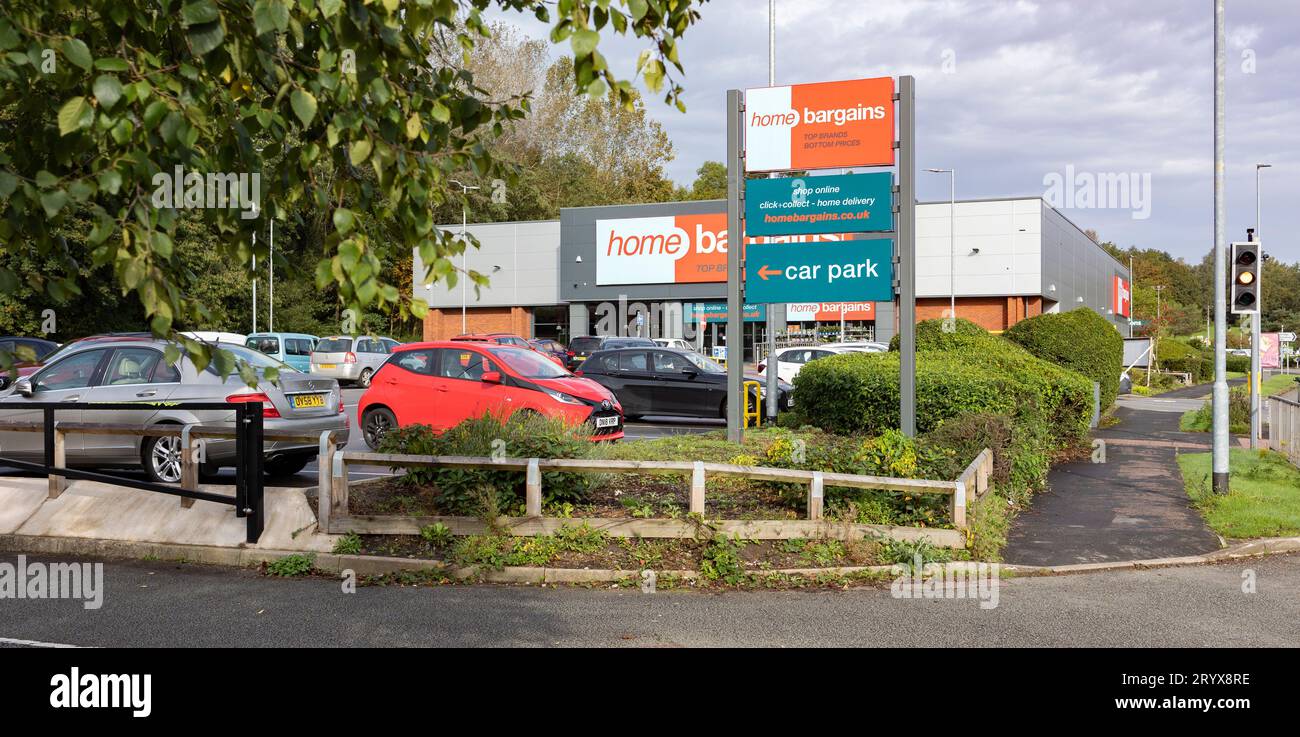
(1220, 393)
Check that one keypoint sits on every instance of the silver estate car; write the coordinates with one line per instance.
(351, 359)
(133, 370)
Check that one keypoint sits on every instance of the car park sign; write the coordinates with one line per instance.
(850, 270)
(824, 125)
(841, 203)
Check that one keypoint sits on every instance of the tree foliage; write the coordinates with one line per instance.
(104, 99)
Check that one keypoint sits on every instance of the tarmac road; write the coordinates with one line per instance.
(211, 606)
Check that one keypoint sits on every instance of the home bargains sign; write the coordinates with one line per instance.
(1121, 298)
(829, 311)
(671, 249)
(825, 125)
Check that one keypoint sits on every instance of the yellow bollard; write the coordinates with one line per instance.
(757, 414)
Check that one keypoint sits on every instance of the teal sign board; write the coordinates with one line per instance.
(717, 312)
(841, 203)
(820, 272)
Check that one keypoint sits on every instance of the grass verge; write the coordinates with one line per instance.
(1263, 498)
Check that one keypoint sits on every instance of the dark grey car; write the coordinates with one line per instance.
(134, 371)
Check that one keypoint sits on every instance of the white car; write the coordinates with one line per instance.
(676, 343)
(789, 361)
(858, 346)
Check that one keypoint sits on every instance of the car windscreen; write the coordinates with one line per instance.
(253, 358)
(703, 363)
(334, 345)
(629, 343)
(527, 363)
(584, 344)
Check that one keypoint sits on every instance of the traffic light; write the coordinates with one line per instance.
(1246, 262)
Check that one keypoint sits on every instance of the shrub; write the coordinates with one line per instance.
(858, 392)
(297, 564)
(1080, 340)
(1175, 355)
(942, 334)
(1240, 364)
(465, 490)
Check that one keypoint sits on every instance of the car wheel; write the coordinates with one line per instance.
(376, 424)
(286, 466)
(364, 381)
(161, 458)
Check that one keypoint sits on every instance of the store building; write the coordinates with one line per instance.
(660, 270)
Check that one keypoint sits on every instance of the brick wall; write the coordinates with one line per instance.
(441, 324)
(990, 313)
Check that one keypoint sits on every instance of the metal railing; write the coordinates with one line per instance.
(1284, 425)
(249, 499)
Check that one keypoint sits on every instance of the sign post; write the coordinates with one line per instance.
(736, 234)
(906, 255)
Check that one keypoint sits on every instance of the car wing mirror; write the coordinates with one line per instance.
(491, 377)
(23, 386)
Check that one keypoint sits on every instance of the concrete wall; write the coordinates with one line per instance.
(527, 254)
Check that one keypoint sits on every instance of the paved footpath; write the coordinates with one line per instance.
(1131, 507)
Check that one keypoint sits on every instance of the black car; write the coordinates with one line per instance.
(666, 381)
(584, 345)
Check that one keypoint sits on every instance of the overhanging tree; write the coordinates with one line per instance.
(102, 100)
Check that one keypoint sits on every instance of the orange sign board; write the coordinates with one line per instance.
(823, 125)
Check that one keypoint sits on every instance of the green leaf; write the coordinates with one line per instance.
(8, 183)
(344, 220)
(53, 201)
(111, 64)
(196, 13)
(162, 244)
(206, 37)
(329, 7)
(76, 52)
(584, 41)
(359, 151)
(110, 181)
(304, 106)
(440, 112)
(74, 115)
(270, 15)
(107, 90)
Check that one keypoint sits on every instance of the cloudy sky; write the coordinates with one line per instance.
(1012, 91)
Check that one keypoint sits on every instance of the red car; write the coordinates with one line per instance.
(443, 383)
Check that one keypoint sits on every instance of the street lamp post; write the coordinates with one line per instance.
(1255, 320)
(952, 238)
(464, 255)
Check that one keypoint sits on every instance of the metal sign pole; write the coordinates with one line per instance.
(1220, 393)
(906, 241)
(735, 246)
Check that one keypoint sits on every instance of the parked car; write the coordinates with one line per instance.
(790, 360)
(443, 383)
(133, 370)
(663, 381)
(291, 348)
(354, 360)
(215, 336)
(677, 343)
(554, 349)
(505, 339)
(39, 347)
(74, 344)
(858, 346)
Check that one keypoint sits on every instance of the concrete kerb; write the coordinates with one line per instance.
(368, 565)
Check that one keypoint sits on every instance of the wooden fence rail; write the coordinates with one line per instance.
(335, 517)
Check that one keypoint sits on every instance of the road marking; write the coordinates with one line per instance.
(35, 643)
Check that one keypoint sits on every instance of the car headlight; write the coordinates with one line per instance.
(562, 397)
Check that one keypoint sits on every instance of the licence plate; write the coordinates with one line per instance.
(579, 358)
(607, 421)
(306, 401)
(327, 365)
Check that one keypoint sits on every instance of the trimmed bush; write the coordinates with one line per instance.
(474, 491)
(1080, 340)
(858, 392)
(1175, 355)
(1240, 364)
(932, 336)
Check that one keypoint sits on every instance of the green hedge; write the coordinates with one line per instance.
(1175, 355)
(931, 335)
(1080, 340)
(858, 392)
(1240, 364)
